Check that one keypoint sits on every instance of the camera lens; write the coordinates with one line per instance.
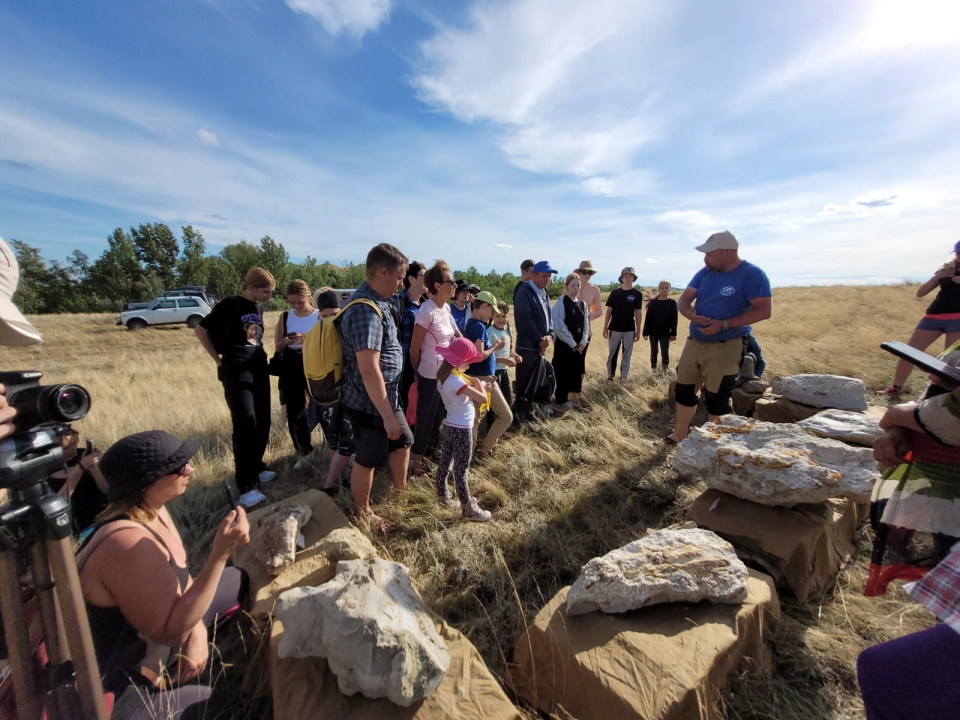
(71, 402)
(47, 404)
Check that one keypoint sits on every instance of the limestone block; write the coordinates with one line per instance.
(670, 565)
(274, 535)
(373, 629)
(313, 565)
(851, 427)
(825, 391)
(346, 544)
(774, 464)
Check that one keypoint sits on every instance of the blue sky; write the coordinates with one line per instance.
(823, 134)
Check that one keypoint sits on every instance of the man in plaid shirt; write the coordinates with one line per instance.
(372, 364)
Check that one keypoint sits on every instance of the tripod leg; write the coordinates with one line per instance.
(74, 612)
(18, 638)
(59, 684)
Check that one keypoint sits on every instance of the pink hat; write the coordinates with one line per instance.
(459, 351)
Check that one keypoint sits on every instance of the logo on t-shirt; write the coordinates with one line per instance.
(253, 324)
(727, 290)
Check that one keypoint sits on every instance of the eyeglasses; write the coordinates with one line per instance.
(586, 272)
(448, 282)
(182, 470)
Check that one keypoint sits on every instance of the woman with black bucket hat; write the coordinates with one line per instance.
(149, 618)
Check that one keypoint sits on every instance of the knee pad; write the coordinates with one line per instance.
(685, 395)
(718, 403)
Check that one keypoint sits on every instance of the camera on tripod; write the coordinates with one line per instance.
(35, 532)
(43, 413)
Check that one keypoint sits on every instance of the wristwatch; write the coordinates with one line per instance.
(725, 326)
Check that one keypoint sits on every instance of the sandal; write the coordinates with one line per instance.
(669, 440)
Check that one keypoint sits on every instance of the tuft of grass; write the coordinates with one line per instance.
(561, 491)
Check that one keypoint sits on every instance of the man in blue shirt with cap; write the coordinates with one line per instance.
(531, 314)
(721, 302)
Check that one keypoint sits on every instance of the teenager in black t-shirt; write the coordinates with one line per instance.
(232, 334)
(621, 325)
(660, 324)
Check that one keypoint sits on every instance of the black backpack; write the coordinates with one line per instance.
(542, 383)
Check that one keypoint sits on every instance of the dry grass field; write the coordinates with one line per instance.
(561, 492)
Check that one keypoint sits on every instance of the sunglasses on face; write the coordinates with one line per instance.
(448, 282)
(182, 470)
(585, 272)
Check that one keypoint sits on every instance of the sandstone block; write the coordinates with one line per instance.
(850, 427)
(670, 565)
(774, 464)
(373, 629)
(824, 391)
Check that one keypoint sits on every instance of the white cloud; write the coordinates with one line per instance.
(572, 83)
(650, 261)
(348, 17)
(884, 202)
(207, 138)
(694, 222)
(503, 246)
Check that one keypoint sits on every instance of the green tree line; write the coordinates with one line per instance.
(140, 264)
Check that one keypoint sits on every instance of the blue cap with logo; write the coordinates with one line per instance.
(543, 267)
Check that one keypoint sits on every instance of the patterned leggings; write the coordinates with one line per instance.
(457, 451)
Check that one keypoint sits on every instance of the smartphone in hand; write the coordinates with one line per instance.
(232, 500)
(89, 446)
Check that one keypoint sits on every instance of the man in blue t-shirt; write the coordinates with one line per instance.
(721, 302)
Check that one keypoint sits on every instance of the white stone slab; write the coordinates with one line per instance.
(670, 565)
(851, 427)
(825, 391)
(372, 627)
(774, 463)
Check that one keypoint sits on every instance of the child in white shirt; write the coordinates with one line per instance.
(458, 392)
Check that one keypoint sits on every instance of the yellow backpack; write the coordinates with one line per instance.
(323, 356)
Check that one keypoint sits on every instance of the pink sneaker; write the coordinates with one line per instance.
(474, 513)
(892, 392)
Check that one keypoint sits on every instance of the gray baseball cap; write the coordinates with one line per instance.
(719, 241)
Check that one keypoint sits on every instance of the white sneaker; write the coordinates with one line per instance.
(251, 498)
(266, 475)
(567, 406)
(547, 410)
(473, 512)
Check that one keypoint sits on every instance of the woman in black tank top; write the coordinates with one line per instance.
(941, 319)
(143, 606)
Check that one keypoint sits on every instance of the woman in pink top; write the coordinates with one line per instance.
(434, 327)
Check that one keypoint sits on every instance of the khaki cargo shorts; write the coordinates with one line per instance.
(707, 363)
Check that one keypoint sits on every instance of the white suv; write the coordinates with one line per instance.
(166, 311)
